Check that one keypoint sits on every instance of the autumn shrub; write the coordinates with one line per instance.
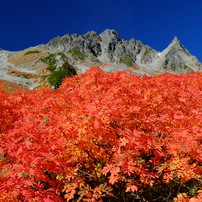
(104, 137)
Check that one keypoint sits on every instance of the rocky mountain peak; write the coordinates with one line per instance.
(90, 34)
(108, 47)
(176, 44)
(175, 40)
(109, 42)
(110, 34)
(177, 57)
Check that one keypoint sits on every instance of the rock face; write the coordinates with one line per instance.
(108, 47)
(88, 43)
(177, 56)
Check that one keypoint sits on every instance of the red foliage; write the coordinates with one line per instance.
(101, 136)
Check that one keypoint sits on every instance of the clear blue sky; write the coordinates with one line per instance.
(25, 23)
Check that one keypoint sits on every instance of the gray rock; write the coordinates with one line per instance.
(109, 42)
(177, 57)
(108, 47)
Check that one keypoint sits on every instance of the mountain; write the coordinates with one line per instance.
(176, 57)
(74, 54)
(108, 47)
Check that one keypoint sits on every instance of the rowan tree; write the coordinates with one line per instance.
(103, 137)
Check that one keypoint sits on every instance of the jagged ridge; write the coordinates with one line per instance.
(108, 47)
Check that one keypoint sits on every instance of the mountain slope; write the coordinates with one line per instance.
(74, 53)
(108, 47)
(176, 56)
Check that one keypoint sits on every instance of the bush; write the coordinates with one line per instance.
(103, 137)
(52, 65)
(58, 72)
(48, 59)
(31, 52)
(56, 78)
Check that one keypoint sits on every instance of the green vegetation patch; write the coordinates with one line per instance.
(4, 170)
(173, 68)
(48, 59)
(94, 59)
(58, 73)
(147, 51)
(127, 59)
(52, 61)
(165, 68)
(25, 76)
(187, 68)
(77, 54)
(55, 79)
(24, 175)
(52, 65)
(31, 52)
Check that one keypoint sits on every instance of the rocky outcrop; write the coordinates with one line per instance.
(88, 43)
(176, 56)
(108, 47)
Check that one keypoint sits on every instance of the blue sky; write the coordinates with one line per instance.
(25, 23)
